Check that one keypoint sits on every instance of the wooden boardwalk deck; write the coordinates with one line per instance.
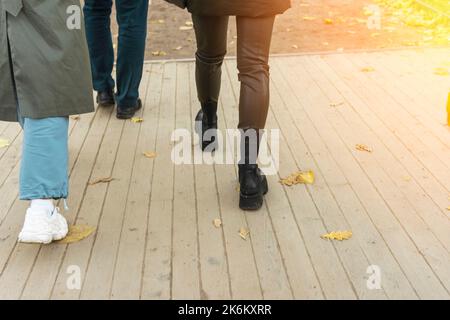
(155, 238)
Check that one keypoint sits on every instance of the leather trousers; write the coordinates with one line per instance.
(253, 46)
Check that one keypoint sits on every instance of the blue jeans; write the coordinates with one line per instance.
(44, 167)
(132, 21)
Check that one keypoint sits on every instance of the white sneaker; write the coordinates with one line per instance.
(43, 226)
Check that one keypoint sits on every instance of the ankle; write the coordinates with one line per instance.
(43, 203)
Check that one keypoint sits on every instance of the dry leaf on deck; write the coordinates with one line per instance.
(137, 120)
(101, 180)
(4, 143)
(441, 72)
(362, 147)
(328, 21)
(77, 233)
(303, 177)
(338, 235)
(150, 154)
(368, 69)
(77, 117)
(159, 53)
(244, 232)
(217, 223)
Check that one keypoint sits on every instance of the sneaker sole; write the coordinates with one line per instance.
(35, 238)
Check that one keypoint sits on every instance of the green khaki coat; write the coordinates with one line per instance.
(50, 63)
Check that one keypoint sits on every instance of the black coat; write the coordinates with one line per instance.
(245, 8)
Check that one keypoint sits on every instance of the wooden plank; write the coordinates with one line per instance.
(185, 260)
(382, 106)
(393, 159)
(10, 134)
(439, 224)
(416, 195)
(415, 79)
(157, 273)
(267, 258)
(412, 113)
(213, 260)
(127, 279)
(103, 256)
(418, 80)
(334, 282)
(78, 254)
(395, 284)
(382, 213)
(332, 213)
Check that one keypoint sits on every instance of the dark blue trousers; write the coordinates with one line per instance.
(132, 21)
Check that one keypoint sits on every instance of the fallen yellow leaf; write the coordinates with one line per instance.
(300, 177)
(101, 180)
(441, 72)
(338, 235)
(362, 147)
(217, 223)
(244, 233)
(328, 21)
(368, 69)
(150, 154)
(137, 120)
(77, 233)
(4, 143)
(158, 53)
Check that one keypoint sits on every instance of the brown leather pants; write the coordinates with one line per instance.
(253, 45)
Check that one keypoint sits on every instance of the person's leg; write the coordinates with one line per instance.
(211, 35)
(44, 177)
(44, 173)
(132, 20)
(98, 33)
(253, 47)
(254, 38)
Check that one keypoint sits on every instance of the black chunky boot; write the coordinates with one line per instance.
(206, 126)
(253, 184)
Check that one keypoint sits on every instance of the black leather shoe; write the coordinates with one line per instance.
(206, 126)
(106, 98)
(128, 112)
(253, 187)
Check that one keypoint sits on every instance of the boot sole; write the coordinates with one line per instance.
(251, 202)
